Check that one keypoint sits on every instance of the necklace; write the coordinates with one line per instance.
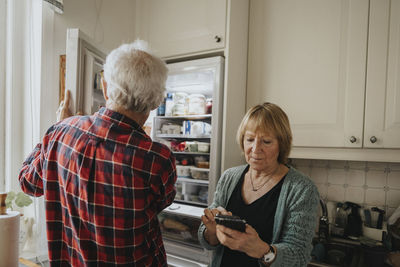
(255, 189)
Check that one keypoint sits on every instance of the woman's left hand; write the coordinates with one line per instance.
(248, 242)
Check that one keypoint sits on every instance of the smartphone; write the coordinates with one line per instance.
(233, 222)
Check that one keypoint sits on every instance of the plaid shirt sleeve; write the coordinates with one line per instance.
(30, 176)
(165, 188)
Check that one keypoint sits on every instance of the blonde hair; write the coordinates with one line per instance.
(268, 117)
(135, 78)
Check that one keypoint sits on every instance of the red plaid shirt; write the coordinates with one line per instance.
(104, 182)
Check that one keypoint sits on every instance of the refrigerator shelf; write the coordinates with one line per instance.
(184, 117)
(190, 180)
(183, 136)
(191, 153)
(200, 169)
(200, 204)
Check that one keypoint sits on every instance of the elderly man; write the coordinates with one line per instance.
(103, 179)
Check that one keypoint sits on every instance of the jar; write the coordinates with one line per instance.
(209, 105)
(196, 104)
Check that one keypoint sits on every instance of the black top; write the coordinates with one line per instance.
(262, 222)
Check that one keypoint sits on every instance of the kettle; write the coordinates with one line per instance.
(353, 227)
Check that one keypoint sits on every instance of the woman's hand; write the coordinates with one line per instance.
(210, 224)
(248, 242)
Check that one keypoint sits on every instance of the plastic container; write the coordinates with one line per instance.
(196, 104)
(180, 104)
(199, 174)
(203, 147)
(183, 171)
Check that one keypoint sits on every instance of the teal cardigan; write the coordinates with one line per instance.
(295, 218)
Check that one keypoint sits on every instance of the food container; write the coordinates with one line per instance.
(203, 164)
(199, 174)
(178, 110)
(203, 147)
(191, 146)
(180, 104)
(169, 128)
(196, 104)
(183, 171)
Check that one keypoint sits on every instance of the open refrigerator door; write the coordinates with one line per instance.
(84, 62)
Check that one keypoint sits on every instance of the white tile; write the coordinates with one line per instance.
(375, 197)
(355, 194)
(377, 166)
(393, 198)
(319, 175)
(337, 164)
(302, 162)
(336, 176)
(393, 179)
(320, 163)
(394, 166)
(304, 169)
(336, 193)
(357, 165)
(356, 177)
(375, 178)
(322, 189)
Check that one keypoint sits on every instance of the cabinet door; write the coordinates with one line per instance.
(382, 110)
(309, 57)
(177, 27)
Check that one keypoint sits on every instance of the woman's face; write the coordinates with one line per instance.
(261, 149)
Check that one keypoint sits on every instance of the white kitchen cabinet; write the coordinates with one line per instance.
(326, 63)
(180, 27)
(382, 102)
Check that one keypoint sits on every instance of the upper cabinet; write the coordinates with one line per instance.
(333, 66)
(382, 102)
(180, 27)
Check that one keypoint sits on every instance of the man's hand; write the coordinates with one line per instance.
(63, 110)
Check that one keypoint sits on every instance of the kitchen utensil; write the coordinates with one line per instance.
(337, 228)
(354, 223)
(380, 217)
(367, 218)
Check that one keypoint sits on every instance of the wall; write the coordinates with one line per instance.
(369, 184)
(109, 23)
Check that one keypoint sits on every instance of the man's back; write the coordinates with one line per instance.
(110, 181)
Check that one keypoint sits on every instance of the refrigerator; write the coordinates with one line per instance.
(189, 121)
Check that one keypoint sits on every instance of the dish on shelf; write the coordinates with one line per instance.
(203, 147)
(199, 173)
(183, 171)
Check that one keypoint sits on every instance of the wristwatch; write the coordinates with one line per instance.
(269, 257)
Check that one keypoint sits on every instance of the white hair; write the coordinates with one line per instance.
(135, 77)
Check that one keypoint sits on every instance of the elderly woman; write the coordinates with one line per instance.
(103, 179)
(278, 202)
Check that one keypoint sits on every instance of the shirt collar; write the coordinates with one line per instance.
(118, 118)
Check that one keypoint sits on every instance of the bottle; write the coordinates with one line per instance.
(161, 108)
(169, 103)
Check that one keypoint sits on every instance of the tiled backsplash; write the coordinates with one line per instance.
(369, 184)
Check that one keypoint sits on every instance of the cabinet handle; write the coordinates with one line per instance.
(373, 139)
(353, 139)
(217, 38)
